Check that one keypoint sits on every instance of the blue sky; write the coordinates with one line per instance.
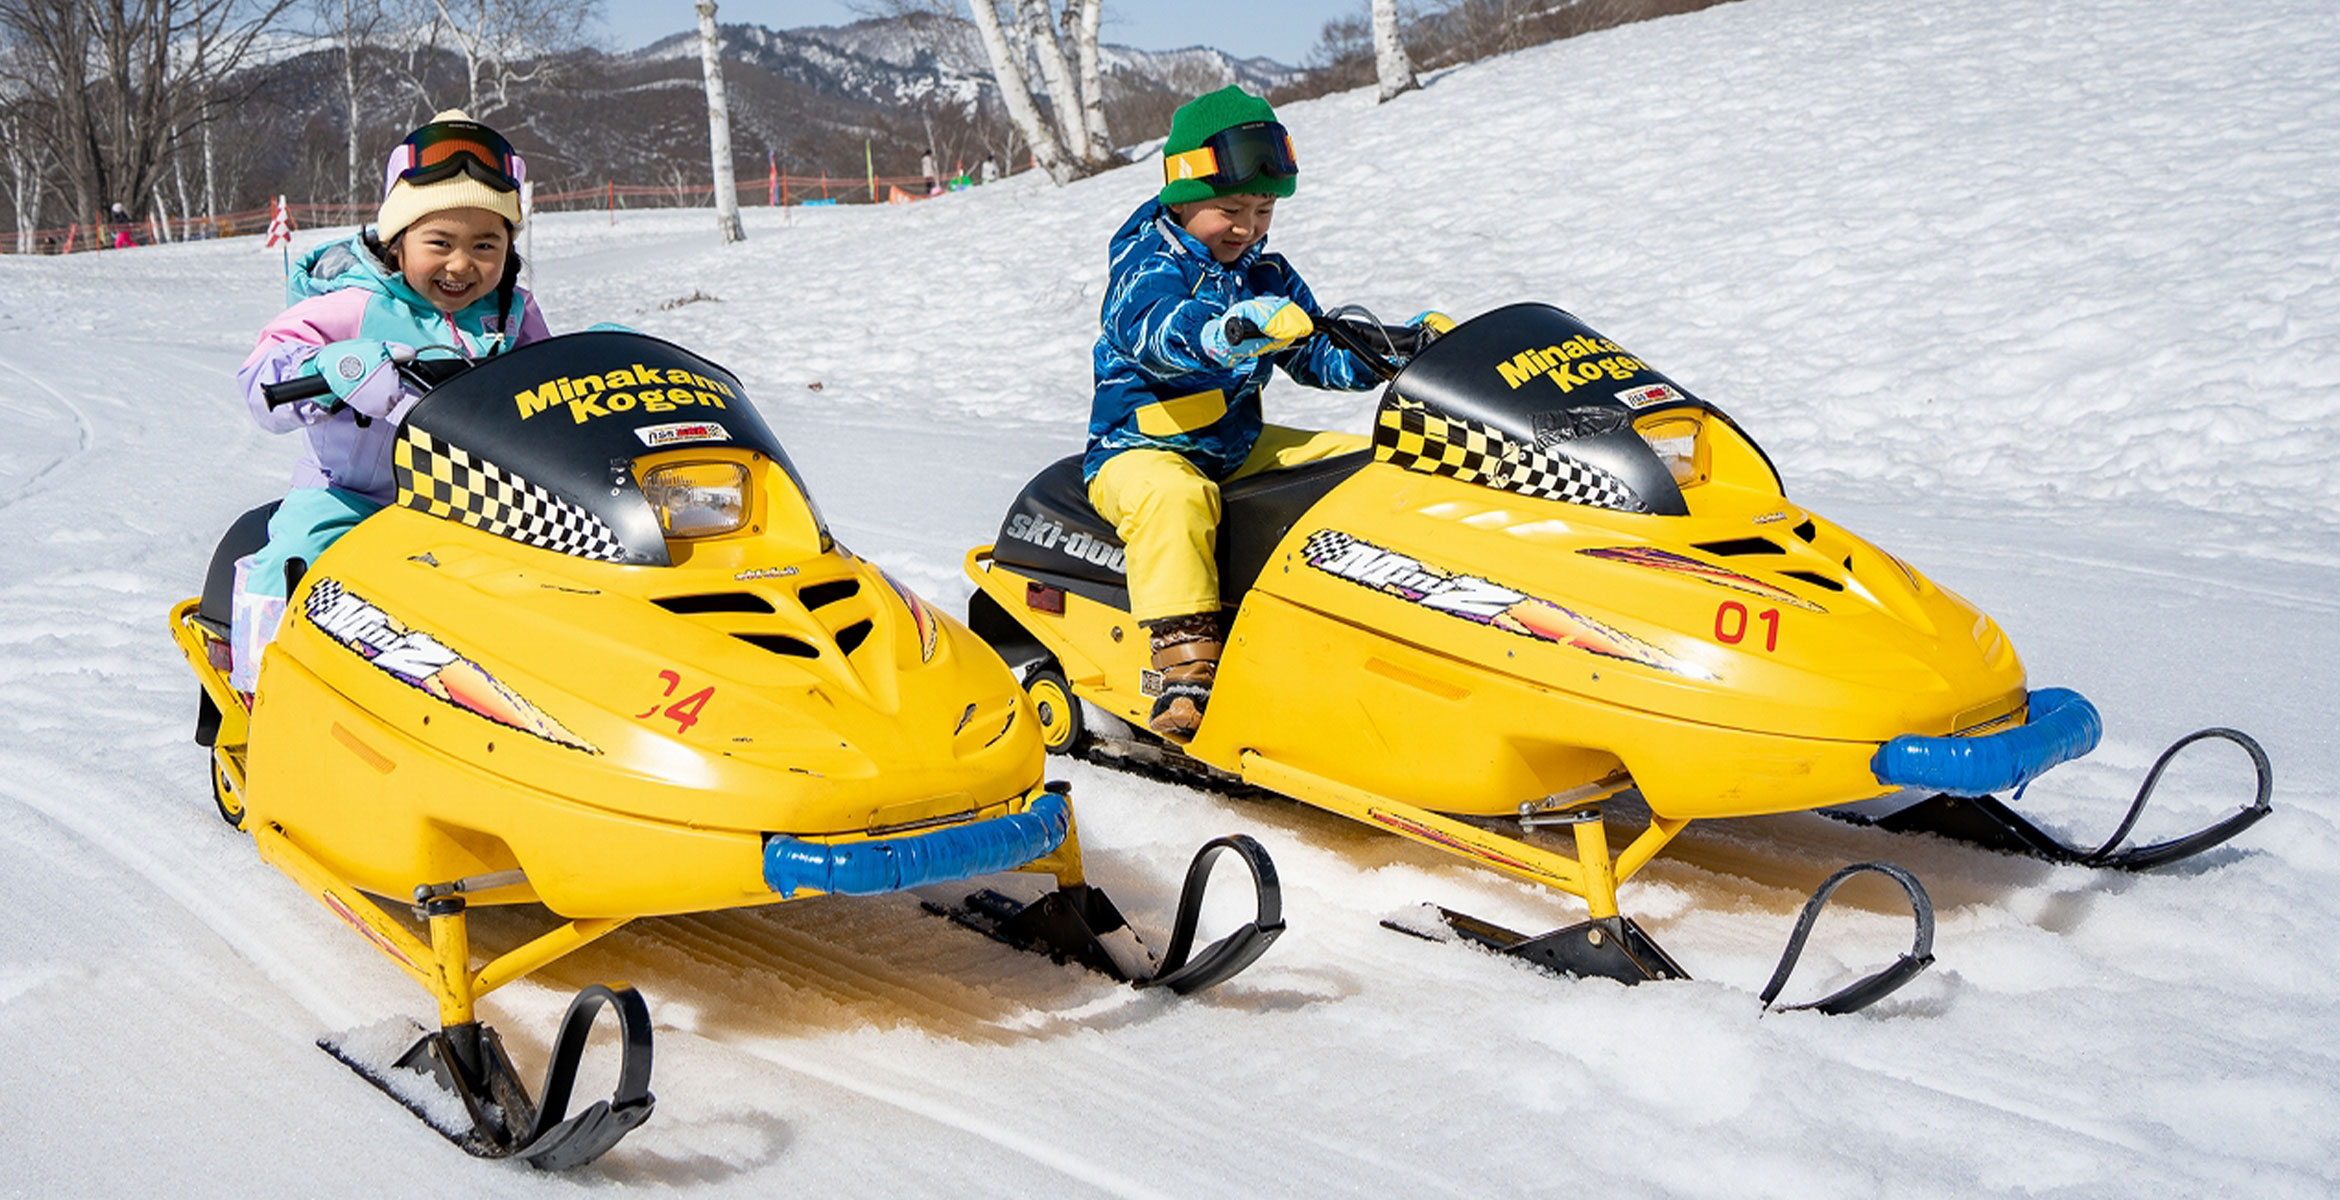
(1280, 29)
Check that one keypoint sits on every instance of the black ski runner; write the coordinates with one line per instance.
(1616, 948)
(468, 1063)
(1071, 923)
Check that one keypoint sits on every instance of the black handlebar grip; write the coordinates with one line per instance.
(1240, 330)
(280, 394)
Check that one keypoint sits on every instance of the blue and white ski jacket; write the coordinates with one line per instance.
(1156, 389)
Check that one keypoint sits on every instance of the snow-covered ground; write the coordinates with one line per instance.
(2044, 295)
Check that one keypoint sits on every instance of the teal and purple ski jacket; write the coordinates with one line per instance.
(1156, 389)
(338, 292)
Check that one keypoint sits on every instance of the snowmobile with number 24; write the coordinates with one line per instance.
(1556, 576)
(603, 656)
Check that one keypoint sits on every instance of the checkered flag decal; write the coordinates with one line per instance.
(1411, 436)
(1325, 545)
(444, 480)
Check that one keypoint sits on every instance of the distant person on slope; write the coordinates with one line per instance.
(436, 275)
(1196, 317)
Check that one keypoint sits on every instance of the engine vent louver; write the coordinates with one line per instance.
(781, 644)
(852, 636)
(716, 602)
(1814, 577)
(1739, 547)
(1807, 531)
(821, 594)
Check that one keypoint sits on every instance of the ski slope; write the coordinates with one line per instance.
(2041, 295)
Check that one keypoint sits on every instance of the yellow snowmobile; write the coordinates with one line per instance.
(603, 656)
(1557, 576)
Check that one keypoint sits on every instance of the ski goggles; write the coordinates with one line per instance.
(1236, 156)
(445, 149)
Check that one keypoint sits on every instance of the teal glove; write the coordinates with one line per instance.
(358, 371)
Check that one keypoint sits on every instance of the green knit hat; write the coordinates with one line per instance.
(1198, 119)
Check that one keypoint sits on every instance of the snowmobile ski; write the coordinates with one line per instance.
(1078, 923)
(1986, 821)
(1615, 947)
(467, 1062)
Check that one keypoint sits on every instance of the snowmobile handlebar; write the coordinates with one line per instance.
(1369, 340)
(421, 374)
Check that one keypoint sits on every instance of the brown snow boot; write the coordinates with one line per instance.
(1186, 652)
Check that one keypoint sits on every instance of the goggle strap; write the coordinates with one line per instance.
(1201, 163)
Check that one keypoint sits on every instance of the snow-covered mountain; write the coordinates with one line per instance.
(895, 58)
(2042, 296)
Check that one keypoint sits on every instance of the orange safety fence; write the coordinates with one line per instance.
(785, 188)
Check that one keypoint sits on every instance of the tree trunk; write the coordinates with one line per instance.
(1017, 94)
(719, 130)
(1101, 151)
(349, 87)
(1390, 64)
(1055, 74)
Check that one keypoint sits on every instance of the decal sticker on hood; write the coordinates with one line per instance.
(1680, 564)
(1482, 601)
(422, 662)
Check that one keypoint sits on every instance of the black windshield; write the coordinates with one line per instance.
(538, 444)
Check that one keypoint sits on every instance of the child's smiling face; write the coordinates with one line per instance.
(1227, 224)
(453, 258)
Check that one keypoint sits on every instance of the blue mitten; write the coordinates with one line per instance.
(1271, 323)
(359, 372)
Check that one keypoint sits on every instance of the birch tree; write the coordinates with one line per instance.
(1084, 16)
(719, 129)
(1037, 41)
(1390, 64)
(1015, 91)
(25, 160)
(354, 26)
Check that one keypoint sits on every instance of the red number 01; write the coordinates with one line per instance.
(684, 712)
(1730, 624)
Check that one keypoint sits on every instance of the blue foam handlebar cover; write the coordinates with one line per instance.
(883, 865)
(2063, 725)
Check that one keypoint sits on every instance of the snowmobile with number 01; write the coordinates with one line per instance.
(603, 656)
(1556, 576)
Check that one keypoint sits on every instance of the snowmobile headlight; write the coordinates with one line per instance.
(698, 499)
(1675, 440)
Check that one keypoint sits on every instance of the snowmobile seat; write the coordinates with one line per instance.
(245, 536)
(1053, 534)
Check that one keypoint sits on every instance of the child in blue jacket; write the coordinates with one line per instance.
(1196, 316)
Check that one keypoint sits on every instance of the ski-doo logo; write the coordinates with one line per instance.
(1572, 364)
(1050, 535)
(647, 388)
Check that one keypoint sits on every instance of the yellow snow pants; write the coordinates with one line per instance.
(1167, 515)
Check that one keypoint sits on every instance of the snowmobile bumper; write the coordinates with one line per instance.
(882, 865)
(2063, 725)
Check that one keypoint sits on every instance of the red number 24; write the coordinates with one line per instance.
(684, 712)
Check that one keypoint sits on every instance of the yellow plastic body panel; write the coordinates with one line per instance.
(627, 757)
(1747, 658)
